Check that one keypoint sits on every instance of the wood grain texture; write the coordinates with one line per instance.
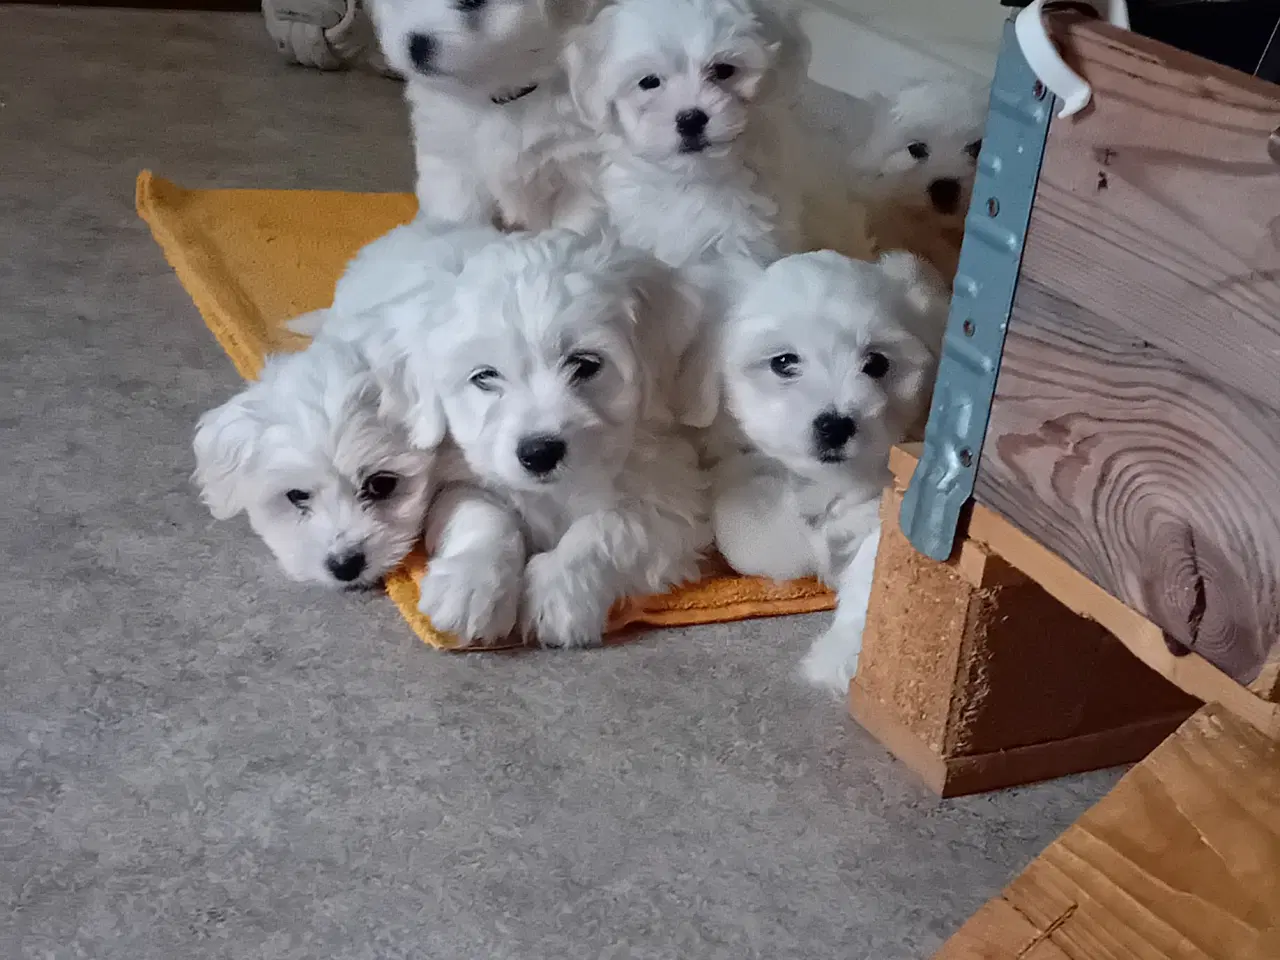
(1158, 207)
(1181, 861)
(1136, 425)
(1161, 486)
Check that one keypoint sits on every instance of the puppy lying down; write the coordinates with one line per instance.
(329, 480)
(551, 363)
(827, 362)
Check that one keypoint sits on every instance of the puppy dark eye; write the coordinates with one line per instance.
(299, 498)
(650, 82)
(470, 6)
(785, 365)
(973, 149)
(486, 379)
(379, 486)
(875, 365)
(918, 149)
(722, 71)
(583, 366)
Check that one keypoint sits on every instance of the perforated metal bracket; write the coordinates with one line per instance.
(982, 300)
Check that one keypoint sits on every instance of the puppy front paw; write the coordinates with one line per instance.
(473, 596)
(561, 609)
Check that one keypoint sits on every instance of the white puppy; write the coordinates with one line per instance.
(687, 98)
(398, 266)
(917, 166)
(553, 367)
(827, 363)
(328, 479)
(478, 79)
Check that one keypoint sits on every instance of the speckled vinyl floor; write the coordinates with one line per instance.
(200, 760)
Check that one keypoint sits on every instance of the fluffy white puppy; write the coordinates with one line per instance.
(397, 266)
(478, 79)
(572, 487)
(917, 167)
(827, 363)
(687, 98)
(328, 479)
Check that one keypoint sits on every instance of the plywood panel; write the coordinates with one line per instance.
(1158, 207)
(1136, 426)
(1160, 485)
(1181, 861)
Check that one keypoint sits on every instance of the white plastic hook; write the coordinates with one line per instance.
(1043, 56)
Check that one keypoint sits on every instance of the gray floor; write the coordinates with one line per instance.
(199, 760)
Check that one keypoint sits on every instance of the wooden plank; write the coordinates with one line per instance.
(999, 932)
(1158, 208)
(1160, 485)
(1191, 673)
(1181, 860)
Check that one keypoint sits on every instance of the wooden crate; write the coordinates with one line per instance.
(977, 675)
(1181, 860)
(1135, 429)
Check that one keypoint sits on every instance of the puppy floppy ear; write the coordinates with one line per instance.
(670, 315)
(584, 53)
(226, 439)
(788, 46)
(697, 386)
(925, 293)
(409, 398)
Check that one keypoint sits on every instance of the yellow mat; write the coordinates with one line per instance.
(252, 259)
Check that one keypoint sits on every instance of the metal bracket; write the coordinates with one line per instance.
(981, 303)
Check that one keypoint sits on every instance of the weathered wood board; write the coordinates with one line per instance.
(1135, 429)
(1181, 861)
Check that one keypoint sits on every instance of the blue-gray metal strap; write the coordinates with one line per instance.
(982, 299)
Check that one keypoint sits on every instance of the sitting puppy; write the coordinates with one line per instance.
(329, 481)
(571, 487)
(478, 79)
(917, 166)
(686, 99)
(827, 363)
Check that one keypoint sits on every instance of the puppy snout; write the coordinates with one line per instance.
(346, 567)
(833, 430)
(541, 454)
(422, 52)
(944, 194)
(691, 123)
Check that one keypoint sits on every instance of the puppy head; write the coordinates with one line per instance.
(924, 144)
(540, 370)
(329, 483)
(821, 366)
(492, 45)
(676, 78)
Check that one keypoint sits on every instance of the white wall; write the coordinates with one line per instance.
(861, 46)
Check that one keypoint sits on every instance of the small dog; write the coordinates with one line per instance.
(917, 168)
(687, 98)
(827, 362)
(571, 486)
(478, 79)
(328, 479)
(403, 265)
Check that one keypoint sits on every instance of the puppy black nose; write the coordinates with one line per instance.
(690, 123)
(540, 455)
(833, 430)
(944, 194)
(422, 50)
(346, 567)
